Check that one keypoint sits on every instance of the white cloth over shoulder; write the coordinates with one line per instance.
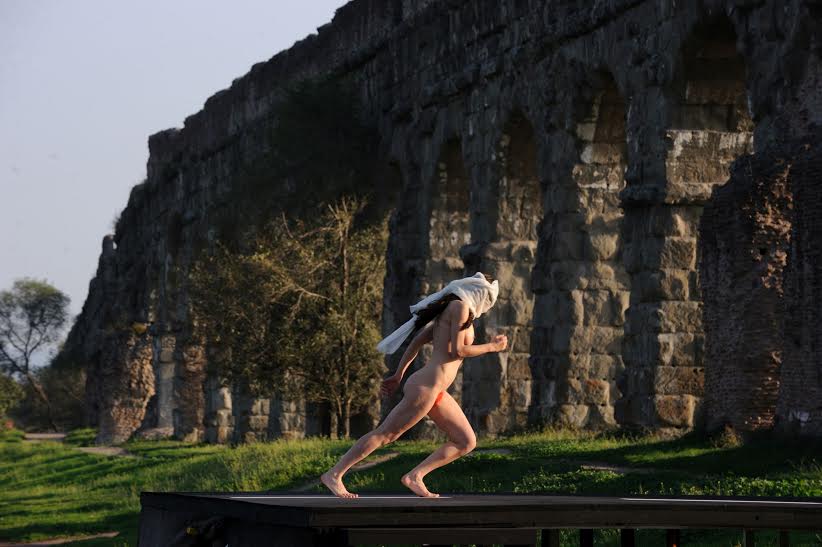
(476, 291)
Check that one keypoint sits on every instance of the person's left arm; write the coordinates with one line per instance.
(423, 337)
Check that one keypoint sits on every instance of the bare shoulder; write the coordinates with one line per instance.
(458, 310)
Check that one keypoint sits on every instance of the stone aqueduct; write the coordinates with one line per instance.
(643, 176)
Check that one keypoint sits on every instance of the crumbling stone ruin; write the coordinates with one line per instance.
(641, 175)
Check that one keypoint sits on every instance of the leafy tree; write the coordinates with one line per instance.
(32, 315)
(300, 311)
(10, 394)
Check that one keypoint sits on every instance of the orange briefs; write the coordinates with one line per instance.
(439, 396)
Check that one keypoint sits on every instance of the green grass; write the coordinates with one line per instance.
(52, 489)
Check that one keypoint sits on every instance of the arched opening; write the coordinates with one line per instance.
(449, 227)
(710, 126)
(582, 286)
(497, 386)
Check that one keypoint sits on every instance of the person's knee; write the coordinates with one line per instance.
(466, 444)
(386, 437)
(392, 436)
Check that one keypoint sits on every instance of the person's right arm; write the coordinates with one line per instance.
(458, 314)
(423, 337)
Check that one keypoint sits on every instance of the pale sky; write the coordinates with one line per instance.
(83, 83)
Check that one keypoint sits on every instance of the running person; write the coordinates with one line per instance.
(445, 318)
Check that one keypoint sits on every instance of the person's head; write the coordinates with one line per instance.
(436, 307)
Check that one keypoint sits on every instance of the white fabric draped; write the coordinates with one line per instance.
(476, 291)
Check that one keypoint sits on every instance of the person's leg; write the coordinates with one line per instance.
(450, 418)
(410, 410)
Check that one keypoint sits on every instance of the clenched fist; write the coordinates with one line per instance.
(500, 342)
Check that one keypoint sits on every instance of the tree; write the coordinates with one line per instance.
(10, 394)
(32, 315)
(65, 388)
(301, 311)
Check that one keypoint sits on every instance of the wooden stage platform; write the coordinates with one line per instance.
(284, 519)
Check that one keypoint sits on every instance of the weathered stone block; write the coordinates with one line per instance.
(595, 391)
(636, 381)
(604, 275)
(519, 339)
(517, 367)
(673, 221)
(221, 399)
(600, 152)
(595, 339)
(601, 417)
(575, 364)
(675, 410)
(257, 423)
(566, 274)
(677, 252)
(573, 416)
(678, 316)
(566, 246)
(679, 380)
(223, 435)
(601, 246)
(634, 409)
(261, 406)
(603, 307)
(224, 418)
(605, 367)
(519, 309)
(521, 395)
(677, 349)
(558, 307)
(653, 286)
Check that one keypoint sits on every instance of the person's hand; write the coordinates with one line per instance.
(389, 385)
(500, 342)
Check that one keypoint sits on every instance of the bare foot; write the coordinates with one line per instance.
(417, 486)
(335, 485)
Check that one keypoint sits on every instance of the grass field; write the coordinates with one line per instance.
(51, 489)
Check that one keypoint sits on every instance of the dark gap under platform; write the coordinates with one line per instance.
(287, 519)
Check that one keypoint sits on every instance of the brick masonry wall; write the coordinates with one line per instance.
(745, 232)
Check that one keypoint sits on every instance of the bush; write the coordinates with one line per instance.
(65, 388)
(728, 437)
(10, 394)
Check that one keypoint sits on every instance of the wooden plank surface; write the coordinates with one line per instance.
(380, 510)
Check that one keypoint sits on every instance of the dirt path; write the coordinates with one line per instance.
(38, 437)
(60, 437)
(625, 470)
(60, 541)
